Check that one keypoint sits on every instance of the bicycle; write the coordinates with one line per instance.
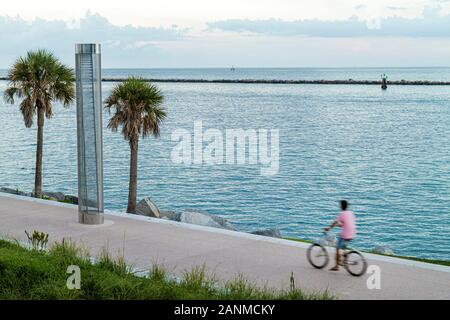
(352, 260)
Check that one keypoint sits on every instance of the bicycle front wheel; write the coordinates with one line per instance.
(317, 256)
(355, 263)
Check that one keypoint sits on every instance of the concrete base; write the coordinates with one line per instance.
(75, 224)
(90, 218)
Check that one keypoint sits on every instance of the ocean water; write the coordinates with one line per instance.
(397, 74)
(387, 152)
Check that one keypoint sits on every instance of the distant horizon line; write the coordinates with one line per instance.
(243, 67)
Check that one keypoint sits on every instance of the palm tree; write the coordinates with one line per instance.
(39, 79)
(138, 111)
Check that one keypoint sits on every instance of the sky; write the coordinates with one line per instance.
(242, 33)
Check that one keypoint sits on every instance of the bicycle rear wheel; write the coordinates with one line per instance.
(317, 256)
(355, 263)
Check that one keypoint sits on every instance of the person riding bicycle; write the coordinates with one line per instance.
(346, 220)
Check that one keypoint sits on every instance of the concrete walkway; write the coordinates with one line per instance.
(180, 247)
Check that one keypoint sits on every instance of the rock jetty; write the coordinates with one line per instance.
(277, 81)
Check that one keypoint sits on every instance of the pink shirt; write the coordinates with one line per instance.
(346, 220)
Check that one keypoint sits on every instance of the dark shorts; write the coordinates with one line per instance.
(342, 243)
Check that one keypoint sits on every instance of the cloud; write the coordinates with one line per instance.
(273, 43)
(18, 35)
(432, 24)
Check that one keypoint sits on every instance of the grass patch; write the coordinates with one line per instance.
(41, 274)
(298, 240)
(66, 201)
(431, 261)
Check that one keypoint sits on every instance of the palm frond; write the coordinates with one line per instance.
(28, 109)
(136, 106)
(38, 78)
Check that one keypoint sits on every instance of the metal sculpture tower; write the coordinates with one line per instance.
(89, 133)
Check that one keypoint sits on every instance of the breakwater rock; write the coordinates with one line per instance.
(16, 192)
(383, 250)
(204, 219)
(277, 81)
(46, 195)
(147, 207)
(274, 233)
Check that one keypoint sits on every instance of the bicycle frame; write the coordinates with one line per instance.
(343, 257)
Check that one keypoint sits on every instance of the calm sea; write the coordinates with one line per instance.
(387, 152)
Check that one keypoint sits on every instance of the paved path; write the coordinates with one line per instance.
(225, 253)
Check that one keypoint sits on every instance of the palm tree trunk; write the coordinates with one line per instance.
(40, 143)
(133, 175)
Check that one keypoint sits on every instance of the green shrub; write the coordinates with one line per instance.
(31, 274)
